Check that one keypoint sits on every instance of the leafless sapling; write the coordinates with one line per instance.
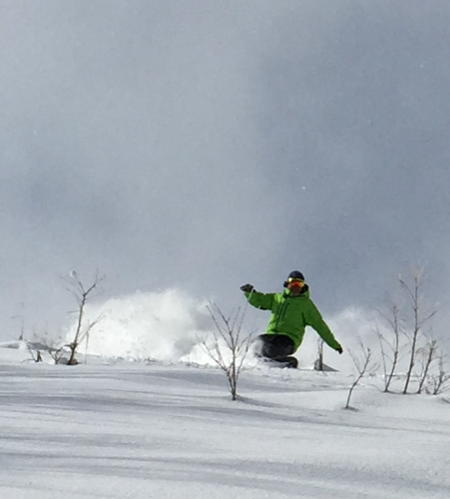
(429, 353)
(54, 347)
(390, 346)
(82, 330)
(229, 346)
(419, 318)
(439, 382)
(363, 365)
(36, 355)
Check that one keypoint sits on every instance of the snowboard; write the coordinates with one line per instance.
(287, 362)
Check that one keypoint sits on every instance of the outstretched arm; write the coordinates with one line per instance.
(264, 301)
(315, 320)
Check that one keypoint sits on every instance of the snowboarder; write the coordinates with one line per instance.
(292, 311)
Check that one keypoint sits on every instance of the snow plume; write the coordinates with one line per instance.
(171, 326)
(165, 325)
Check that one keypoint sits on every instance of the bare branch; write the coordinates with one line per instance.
(418, 321)
(229, 331)
(440, 382)
(392, 318)
(81, 293)
(362, 366)
(430, 354)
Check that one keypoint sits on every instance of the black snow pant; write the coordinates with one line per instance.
(274, 346)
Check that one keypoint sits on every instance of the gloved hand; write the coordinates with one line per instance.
(340, 349)
(247, 288)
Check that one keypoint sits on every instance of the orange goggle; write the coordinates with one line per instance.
(293, 281)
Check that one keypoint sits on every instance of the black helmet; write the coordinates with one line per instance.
(295, 274)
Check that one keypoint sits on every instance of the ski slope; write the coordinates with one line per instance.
(157, 429)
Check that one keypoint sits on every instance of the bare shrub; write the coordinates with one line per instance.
(363, 363)
(419, 318)
(54, 347)
(41, 343)
(390, 346)
(429, 354)
(439, 382)
(82, 330)
(36, 355)
(229, 347)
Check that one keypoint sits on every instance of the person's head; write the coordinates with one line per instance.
(295, 282)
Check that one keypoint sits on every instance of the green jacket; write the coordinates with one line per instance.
(291, 314)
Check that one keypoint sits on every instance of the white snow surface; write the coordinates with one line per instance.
(159, 429)
(147, 414)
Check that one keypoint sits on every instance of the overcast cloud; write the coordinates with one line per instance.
(209, 143)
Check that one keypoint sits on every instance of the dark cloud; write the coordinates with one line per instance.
(359, 130)
(211, 144)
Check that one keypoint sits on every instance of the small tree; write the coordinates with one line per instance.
(81, 293)
(55, 348)
(430, 352)
(229, 347)
(362, 365)
(419, 319)
(390, 347)
(35, 354)
(440, 382)
(40, 343)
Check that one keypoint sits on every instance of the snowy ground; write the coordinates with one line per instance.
(160, 430)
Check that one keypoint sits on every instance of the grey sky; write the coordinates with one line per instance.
(208, 144)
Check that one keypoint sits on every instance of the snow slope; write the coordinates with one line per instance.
(170, 430)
